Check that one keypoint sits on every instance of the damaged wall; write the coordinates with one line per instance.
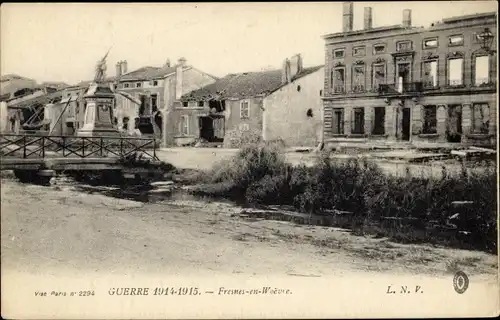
(293, 113)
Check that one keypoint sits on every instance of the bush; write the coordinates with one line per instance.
(250, 165)
(259, 174)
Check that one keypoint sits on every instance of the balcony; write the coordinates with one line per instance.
(410, 88)
(339, 89)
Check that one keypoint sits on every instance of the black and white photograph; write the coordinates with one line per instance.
(249, 160)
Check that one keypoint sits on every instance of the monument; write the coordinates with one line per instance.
(99, 99)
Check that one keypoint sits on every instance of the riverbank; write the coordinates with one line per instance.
(206, 158)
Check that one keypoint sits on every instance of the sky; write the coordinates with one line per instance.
(63, 41)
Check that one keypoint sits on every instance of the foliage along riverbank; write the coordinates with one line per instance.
(408, 209)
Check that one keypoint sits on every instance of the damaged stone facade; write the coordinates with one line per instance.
(157, 88)
(411, 84)
(275, 105)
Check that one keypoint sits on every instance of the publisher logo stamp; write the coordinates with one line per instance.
(460, 282)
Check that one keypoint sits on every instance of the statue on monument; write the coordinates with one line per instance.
(100, 69)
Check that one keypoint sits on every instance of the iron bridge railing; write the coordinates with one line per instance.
(37, 145)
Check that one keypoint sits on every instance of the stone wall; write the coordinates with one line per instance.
(393, 117)
(249, 126)
(293, 114)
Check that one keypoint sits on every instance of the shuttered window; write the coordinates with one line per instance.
(338, 121)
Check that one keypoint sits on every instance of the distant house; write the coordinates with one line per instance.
(156, 88)
(26, 112)
(55, 85)
(283, 104)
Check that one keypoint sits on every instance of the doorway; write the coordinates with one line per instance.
(405, 126)
(158, 119)
(454, 124)
(211, 128)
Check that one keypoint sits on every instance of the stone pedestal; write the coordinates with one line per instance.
(99, 112)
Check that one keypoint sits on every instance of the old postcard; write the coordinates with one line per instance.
(249, 160)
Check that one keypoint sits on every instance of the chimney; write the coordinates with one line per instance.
(368, 19)
(295, 65)
(124, 66)
(407, 17)
(285, 72)
(347, 16)
(118, 69)
(179, 77)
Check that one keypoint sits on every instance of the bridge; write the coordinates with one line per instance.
(37, 157)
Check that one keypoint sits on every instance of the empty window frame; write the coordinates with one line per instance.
(430, 120)
(358, 78)
(359, 51)
(455, 72)
(481, 70)
(430, 73)
(378, 75)
(338, 80)
(125, 123)
(455, 40)
(405, 45)
(154, 102)
(430, 43)
(338, 53)
(379, 48)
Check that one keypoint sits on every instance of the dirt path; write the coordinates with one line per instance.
(44, 228)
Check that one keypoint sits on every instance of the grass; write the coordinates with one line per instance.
(419, 207)
(457, 264)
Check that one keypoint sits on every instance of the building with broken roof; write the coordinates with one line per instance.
(157, 88)
(283, 104)
(23, 102)
(13, 85)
